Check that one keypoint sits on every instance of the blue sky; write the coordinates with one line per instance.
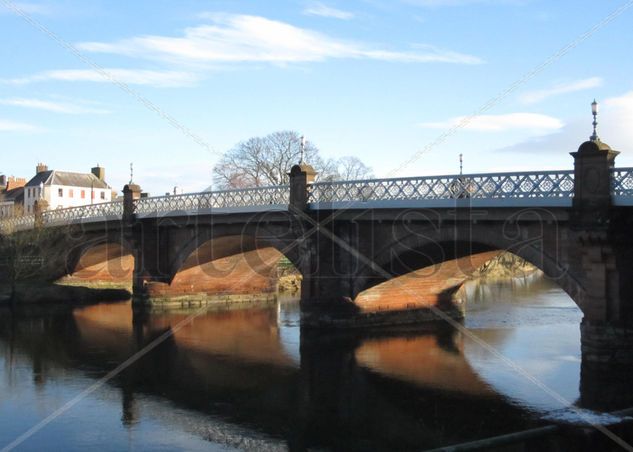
(377, 79)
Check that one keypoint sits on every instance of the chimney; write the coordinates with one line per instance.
(3, 180)
(99, 172)
(40, 168)
(15, 182)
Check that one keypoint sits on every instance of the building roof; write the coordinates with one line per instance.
(54, 177)
(15, 195)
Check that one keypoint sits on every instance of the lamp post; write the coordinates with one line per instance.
(594, 112)
(302, 150)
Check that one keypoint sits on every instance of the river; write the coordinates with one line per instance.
(250, 378)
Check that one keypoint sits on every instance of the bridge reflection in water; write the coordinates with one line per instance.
(252, 378)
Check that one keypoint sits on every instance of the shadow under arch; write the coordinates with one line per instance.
(107, 259)
(447, 257)
(231, 264)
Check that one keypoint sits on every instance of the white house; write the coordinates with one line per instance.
(62, 189)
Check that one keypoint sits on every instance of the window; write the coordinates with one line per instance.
(60, 192)
(102, 195)
(83, 194)
(71, 192)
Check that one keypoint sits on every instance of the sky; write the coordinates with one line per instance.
(170, 86)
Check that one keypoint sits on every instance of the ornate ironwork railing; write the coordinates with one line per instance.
(21, 223)
(539, 184)
(84, 214)
(532, 187)
(247, 197)
(622, 182)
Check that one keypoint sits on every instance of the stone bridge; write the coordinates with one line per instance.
(370, 252)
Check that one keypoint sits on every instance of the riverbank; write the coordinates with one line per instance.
(40, 293)
(505, 266)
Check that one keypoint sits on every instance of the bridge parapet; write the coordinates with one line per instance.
(17, 223)
(84, 214)
(622, 186)
(518, 189)
(269, 197)
(535, 188)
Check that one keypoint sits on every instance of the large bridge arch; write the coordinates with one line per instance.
(463, 248)
(218, 243)
(108, 257)
(230, 261)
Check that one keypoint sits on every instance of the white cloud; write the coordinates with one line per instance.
(532, 97)
(130, 76)
(616, 115)
(242, 38)
(12, 126)
(56, 107)
(495, 123)
(319, 9)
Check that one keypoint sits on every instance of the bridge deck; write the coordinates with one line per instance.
(490, 190)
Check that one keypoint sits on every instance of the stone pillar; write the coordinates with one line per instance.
(601, 243)
(591, 225)
(131, 192)
(40, 206)
(301, 176)
(592, 183)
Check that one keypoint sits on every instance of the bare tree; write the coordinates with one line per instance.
(261, 161)
(28, 255)
(352, 168)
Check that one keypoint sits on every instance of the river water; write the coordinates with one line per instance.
(250, 378)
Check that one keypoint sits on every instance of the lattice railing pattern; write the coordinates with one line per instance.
(91, 212)
(247, 197)
(542, 184)
(622, 181)
(538, 185)
(21, 223)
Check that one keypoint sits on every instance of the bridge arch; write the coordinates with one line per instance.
(227, 261)
(109, 258)
(446, 256)
(223, 241)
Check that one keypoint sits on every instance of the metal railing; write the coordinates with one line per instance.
(20, 223)
(622, 182)
(520, 185)
(85, 214)
(226, 199)
(520, 188)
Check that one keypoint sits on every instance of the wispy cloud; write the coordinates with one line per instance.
(131, 76)
(56, 107)
(532, 97)
(616, 115)
(497, 123)
(13, 126)
(242, 38)
(322, 10)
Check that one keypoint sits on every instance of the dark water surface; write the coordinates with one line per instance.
(251, 379)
